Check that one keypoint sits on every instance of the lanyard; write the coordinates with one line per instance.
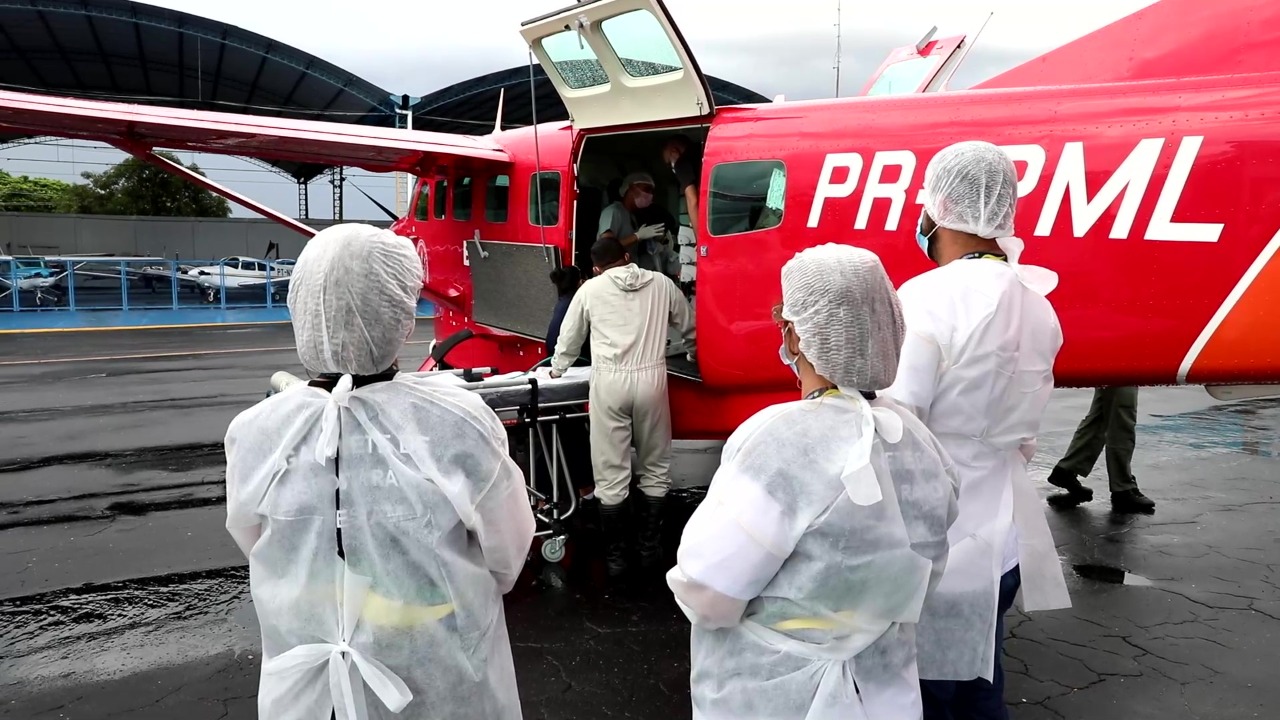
(984, 256)
(824, 392)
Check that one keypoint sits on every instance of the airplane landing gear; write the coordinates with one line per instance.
(210, 295)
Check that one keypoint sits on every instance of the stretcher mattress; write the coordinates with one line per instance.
(515, 389)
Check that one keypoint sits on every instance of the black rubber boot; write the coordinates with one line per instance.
(649, 532)
(1075, 494)
(613, 526)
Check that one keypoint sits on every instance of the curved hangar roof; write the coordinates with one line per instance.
(471, 106)
(131, 52)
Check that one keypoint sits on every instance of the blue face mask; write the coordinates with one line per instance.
(921, 239)
(786, 357)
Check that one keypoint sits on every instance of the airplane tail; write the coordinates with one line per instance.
(1169, 39)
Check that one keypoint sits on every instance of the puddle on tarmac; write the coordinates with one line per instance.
(122, 627)
(1113, 575)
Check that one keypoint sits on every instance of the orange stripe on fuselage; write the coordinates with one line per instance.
(1244, 342)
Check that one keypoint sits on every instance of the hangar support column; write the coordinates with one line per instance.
(337, 179)
(304, 201)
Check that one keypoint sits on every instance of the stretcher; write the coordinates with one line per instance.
(532, 406)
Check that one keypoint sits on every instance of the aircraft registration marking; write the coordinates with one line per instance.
(1129, 183)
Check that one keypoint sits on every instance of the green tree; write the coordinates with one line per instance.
(19, 193)
(134, 187)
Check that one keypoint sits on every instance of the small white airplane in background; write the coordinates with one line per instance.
(45, 275)
(242, 273)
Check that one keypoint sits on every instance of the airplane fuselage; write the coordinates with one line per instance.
(1154, 201)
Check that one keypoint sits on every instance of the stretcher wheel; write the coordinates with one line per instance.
(553, 549)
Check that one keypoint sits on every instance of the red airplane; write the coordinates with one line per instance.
(1148, 180)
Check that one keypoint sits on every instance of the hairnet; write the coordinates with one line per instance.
(846, 314)
(972, 187)
(635, 178)
(352, 296)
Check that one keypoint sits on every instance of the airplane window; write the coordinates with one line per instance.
(746, 196)
(574, 60)
(544, 211)
(497, 198)
(423, 205)
(642, 44)
(442, 198)
(902, 78)
(462, 199)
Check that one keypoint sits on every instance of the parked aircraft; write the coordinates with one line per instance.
(1148, 181)
(242, 273)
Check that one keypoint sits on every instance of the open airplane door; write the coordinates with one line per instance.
(923, 67)
(619, 62)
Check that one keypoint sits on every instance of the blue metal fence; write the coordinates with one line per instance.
(68, 284)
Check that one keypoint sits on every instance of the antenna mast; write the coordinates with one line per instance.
(838, 52)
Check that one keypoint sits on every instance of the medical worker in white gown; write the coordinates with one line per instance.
(977, 368)
(381, 515)
(825, 525)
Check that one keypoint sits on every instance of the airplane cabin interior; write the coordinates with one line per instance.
(604, 161)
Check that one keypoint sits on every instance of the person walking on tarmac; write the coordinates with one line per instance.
(627, 311)
(1111, 422)
(977, 368)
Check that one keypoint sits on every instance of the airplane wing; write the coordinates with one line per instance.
(140, 128)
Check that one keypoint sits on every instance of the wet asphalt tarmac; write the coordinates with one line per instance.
(122, 596)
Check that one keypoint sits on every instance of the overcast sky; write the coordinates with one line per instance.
(770, 46)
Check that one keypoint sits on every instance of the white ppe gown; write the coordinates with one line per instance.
(977, 368)
(627, 310)
(435, 526)
(802, 572)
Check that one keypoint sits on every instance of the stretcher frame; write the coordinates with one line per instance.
(537, 417)
(529, 412)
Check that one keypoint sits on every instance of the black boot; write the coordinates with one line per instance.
(649, 533)
(1132, 501)
(613, 525)
(1075, 494)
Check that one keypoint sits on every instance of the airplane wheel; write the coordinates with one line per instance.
(211, 295)
(275, 297)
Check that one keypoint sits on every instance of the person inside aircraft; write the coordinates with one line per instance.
(825, 525)
(668, 260)
(381, 515)
(977, 368)
(685, 160)
(649, 244)
(627, 310)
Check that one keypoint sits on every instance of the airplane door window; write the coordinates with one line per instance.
(746, 196)
(442, 198)
(903, 77)
(544, 211)
(574, 60)
(422, 207)
(463, 197)
(497, 199)
(641, 44)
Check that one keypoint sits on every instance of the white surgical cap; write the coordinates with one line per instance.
(353, 296)
(636, 178)
(846, 314)
(972, 187)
